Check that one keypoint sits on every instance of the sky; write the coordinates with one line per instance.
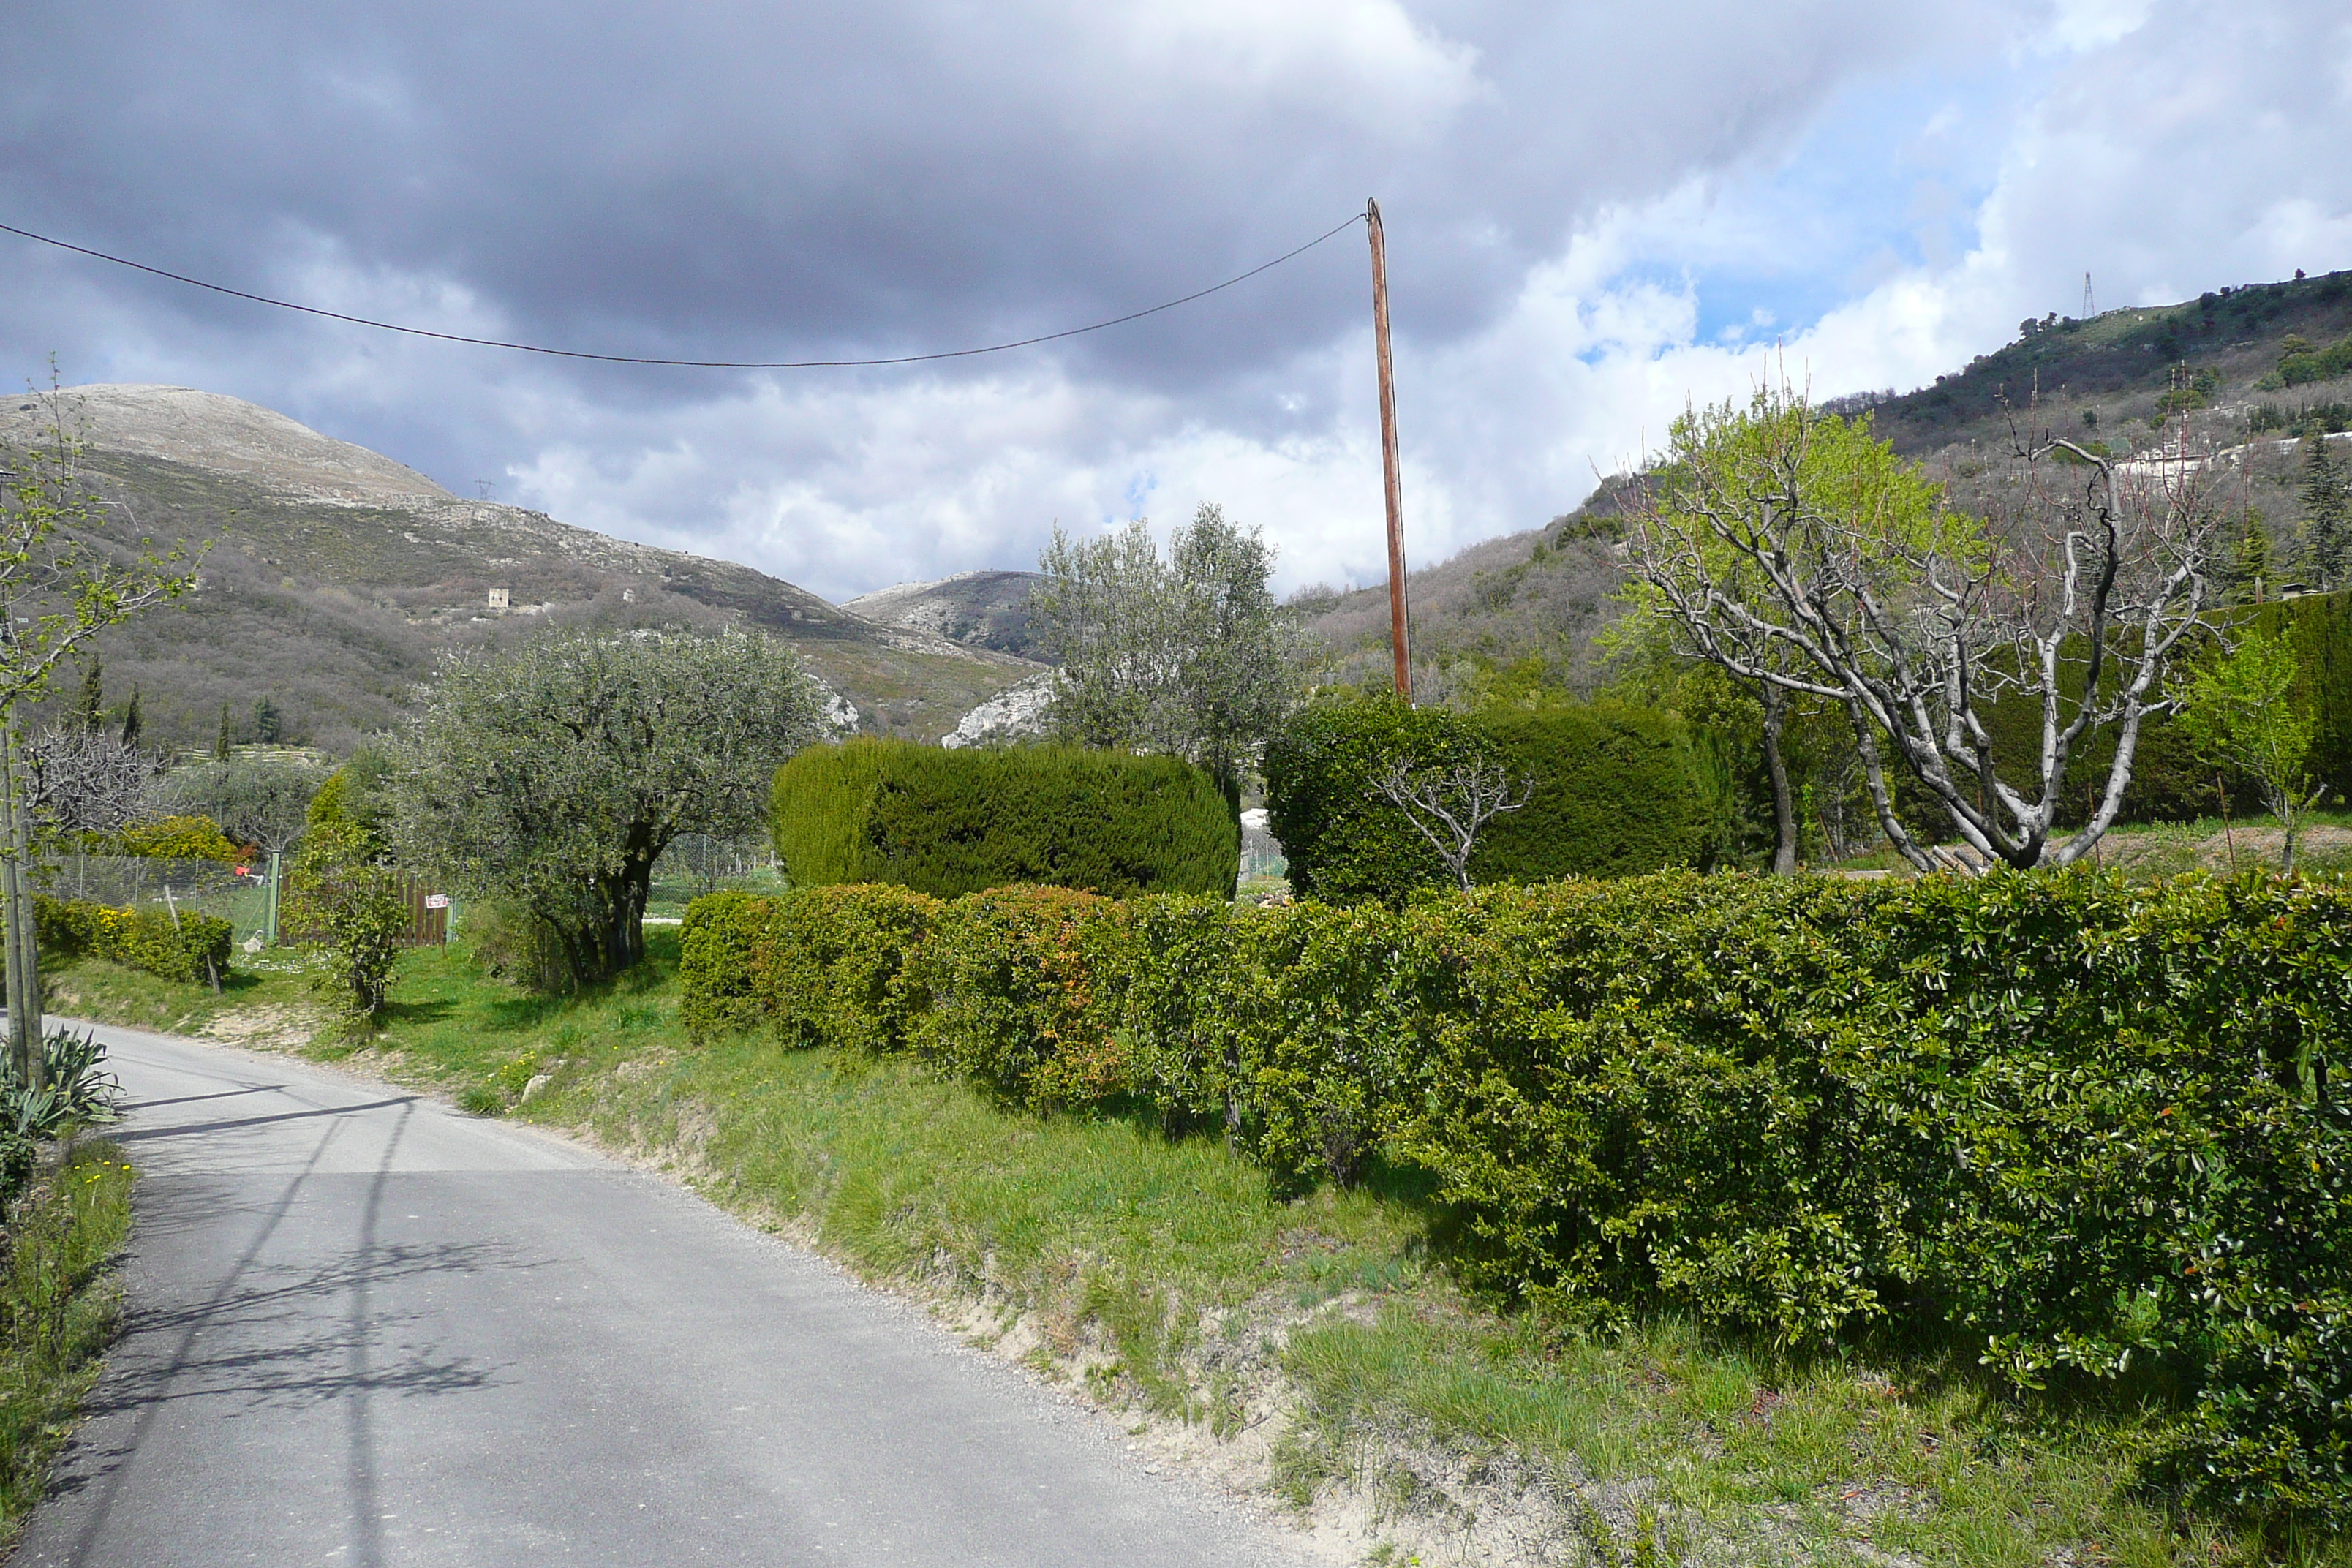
(1595, 214)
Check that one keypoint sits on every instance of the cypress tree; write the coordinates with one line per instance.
(131, 719)
(92, 705)
(2246, 579)
(2326, 504)
(220, 746)
(267, 727)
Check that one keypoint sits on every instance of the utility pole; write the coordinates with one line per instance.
(1399, 642)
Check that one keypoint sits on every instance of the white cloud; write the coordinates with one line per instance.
(1595, 215)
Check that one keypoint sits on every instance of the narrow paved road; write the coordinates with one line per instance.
(365, 1330)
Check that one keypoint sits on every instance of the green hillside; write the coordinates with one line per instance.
(1526, 608)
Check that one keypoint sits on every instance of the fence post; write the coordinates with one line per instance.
(269, 905)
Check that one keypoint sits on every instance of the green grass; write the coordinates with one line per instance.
(670, 895)
(1167, 1276)
(94, 988)
(57, 1307)
(2211, 844)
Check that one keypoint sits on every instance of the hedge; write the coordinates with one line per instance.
(1618, 791)
(950, 822)
(192, 947)
(2086, 1125)
(2169, 782)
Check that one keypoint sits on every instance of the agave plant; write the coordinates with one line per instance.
(90, 1094)
(79, 1089)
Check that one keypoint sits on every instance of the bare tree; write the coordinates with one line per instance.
(1793, 548)
(80, 780)
(1450, 803)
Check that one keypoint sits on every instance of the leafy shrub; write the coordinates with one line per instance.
(352, 800)
(179, 838)
(822, 965)
(2304, 363)
(1342, 840)
(952, 822)
(2084, 1124)
(1619, 790)
(188, 947)
(363, 915)
(514, 944)
(1011, 977)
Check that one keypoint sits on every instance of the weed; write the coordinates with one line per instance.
(57, 1307)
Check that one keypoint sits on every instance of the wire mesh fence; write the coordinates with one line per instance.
(238, 894)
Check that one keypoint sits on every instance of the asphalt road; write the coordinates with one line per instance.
(364, 1330)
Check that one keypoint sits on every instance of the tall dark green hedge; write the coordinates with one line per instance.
(1618, 791)
(2170, 782)
(952, 822)
(2322, 624)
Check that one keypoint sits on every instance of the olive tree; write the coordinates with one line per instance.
(555, 776)
(263, 801)
(1186, 656)
(1796, 550)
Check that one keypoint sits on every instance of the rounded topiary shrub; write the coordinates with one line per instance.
(953, 822)
(1617, 790)
(1617, 793)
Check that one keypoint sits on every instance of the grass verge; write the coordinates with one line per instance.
(1311, 1346)
(57, 1308)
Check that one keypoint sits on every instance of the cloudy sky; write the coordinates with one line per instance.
(1594, 211)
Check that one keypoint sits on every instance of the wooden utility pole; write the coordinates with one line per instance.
(1399, 641)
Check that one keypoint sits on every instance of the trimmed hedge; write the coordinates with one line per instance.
(196, 947)
(2322, 624)
(2088, 1125)
(952, 822)
(1618, 792)
(2169, 782)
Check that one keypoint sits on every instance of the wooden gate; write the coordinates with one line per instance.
(429, 916)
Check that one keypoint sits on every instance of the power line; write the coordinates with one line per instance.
(679, 364)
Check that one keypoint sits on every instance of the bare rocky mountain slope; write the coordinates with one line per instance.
(337, 576)
(978, 609)
(1535, 601)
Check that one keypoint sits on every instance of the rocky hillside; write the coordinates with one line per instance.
(336, 576)
(978, 609)
(2251, 369)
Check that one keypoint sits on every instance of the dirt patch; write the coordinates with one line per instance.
(282, 1029)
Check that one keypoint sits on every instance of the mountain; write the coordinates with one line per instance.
(978, 609)
(2256, 370)
(336, 577)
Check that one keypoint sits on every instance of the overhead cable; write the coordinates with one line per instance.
(679, 364)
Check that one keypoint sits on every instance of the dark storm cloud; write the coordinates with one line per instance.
(743, 180)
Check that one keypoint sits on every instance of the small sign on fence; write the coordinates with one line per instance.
(436, 900)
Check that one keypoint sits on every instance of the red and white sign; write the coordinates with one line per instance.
(436, 900)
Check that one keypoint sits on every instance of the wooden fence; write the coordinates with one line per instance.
(428, 915)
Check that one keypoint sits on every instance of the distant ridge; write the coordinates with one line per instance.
(339, 576)
(977, 609)
(1503, 608)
